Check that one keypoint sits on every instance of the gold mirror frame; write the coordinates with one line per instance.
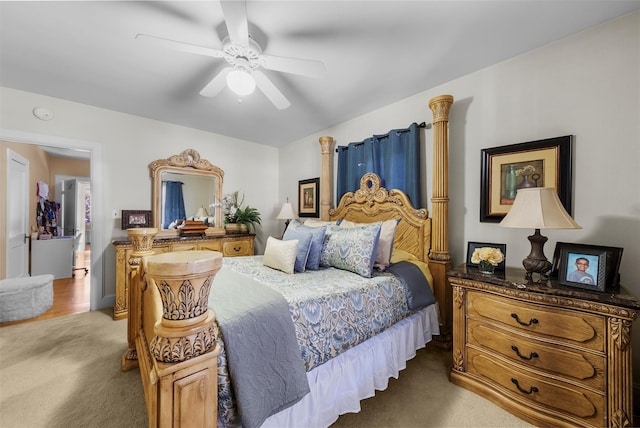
(186, 163)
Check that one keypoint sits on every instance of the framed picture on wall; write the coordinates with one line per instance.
(308, 195)
(135, 218)
(505, 169)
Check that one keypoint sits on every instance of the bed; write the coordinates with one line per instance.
(183, 363)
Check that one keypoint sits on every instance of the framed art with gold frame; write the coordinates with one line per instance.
(505, 169)
(308, 194)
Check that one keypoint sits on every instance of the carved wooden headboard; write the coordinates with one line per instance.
(372, 203)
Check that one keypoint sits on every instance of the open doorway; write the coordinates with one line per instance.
(97, 299)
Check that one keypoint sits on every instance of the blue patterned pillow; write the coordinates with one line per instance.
(304, 245)
(353, 249)
(317, 241)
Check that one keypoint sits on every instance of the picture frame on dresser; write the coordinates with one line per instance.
(472, 246)
(135, 218)
(583, 268)
(540, 163)
(613, 257)
(308, 194)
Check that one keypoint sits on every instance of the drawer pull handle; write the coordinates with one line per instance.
(517, 351)
(531, 321)
(236, 249)
(530, 391)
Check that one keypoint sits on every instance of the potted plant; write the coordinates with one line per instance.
(248, 217)
(239, 219)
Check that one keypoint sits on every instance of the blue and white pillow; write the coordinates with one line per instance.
(317, 241)
(385, 242)
(304, 246)
(353, 249)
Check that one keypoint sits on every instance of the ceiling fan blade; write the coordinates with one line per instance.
(270, 91)
(235, 17)
(180, 46)
(304, 67)
(217, 84)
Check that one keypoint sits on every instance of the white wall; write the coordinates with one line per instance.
(587, 85)
(128, 144)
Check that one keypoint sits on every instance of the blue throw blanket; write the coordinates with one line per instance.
(419, 293)
(262, 352)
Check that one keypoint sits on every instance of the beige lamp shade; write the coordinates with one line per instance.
(201, 212)
(286, 212)
(538, 208)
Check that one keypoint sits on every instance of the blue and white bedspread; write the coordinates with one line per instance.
(332, 311)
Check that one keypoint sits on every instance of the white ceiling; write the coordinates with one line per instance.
(375, 53)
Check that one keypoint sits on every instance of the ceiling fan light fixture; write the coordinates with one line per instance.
(241, 82)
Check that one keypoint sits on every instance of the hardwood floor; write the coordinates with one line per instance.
(70, 295)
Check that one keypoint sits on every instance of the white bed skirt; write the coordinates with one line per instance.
(338, 385)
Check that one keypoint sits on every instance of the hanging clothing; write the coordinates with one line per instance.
(173, 203)
(394, 156)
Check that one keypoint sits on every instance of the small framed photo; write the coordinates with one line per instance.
(308, 195)
(583, 267)
(135, 218)
(612, 260)
(472, 246)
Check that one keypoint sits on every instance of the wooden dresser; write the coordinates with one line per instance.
(549, 354)
(230, 245)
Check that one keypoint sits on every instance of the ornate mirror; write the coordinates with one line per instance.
(186, 186)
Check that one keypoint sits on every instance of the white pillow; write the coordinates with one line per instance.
(385, 242)
(280, 255)
(311, 222)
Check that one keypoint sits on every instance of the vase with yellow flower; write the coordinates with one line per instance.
(487, 258)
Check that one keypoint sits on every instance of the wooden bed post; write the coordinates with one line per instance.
(142, 241)
(439, 257)
(326, 187)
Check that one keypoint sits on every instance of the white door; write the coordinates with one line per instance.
(69, 207)
(17, 215)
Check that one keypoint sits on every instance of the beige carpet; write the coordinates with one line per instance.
(65, 372)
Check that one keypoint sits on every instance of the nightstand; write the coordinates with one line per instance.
(549, 354)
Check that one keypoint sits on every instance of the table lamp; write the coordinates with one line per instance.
(286, 213)
(538, 208)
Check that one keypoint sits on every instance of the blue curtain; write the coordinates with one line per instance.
(394, 156)
(173, 203)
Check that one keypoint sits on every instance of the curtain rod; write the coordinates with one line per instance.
(421, 125)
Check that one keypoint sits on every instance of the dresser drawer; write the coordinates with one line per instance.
(210, 246)
(184, 247)
(237, 248)
(526, 386)
(563, 325)
(585, 367)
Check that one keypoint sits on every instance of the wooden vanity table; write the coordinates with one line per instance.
(550, 354)
(231, 245)
(202, 187)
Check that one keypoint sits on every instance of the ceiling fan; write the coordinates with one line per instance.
(245, 59)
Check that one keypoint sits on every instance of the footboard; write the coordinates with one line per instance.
(175, 335)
